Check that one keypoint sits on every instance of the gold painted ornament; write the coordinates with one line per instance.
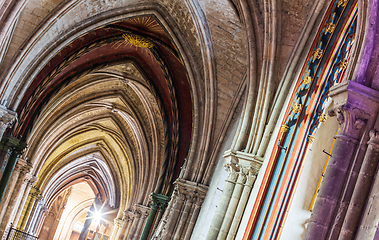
(137, 40)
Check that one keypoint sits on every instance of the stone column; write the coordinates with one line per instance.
(143, 216)
(127, 219)
(158, 201)
(251, 176)
(140, 214)
(8, 161)
(160, 226)
(232, 207)
(118, 223)
(6, 147)
(182, 211)
(184, 216)
(30, 180)
(40, 219)
(198, 201)
(362, 189)
(134, 224)
(173, 216)
(162, 208)
(8, 194)
(33, 203)
(223, 203)
(352, 108)
(21, 169)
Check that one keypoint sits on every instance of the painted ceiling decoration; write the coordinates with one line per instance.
(110, 110)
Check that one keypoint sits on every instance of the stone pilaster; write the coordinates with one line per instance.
(43, 211)
(251, 174)
(127, 220)
(21, 169)
(182, 211)
(158, 201)
(232, 207)
(7, 146)
(117, 229)
(140, 214)
(143, 213)
(368, 227)
(32, 203)
(354, 107)
(232, 168)
(28, 181)
(242, 169)
(15, 150)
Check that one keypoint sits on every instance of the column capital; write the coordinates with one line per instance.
(241, 177)
(353, 105)
(243, 159)
(351, 119)
(118, 222)
(127, 215)
(8, 142)
(7, 117)
(30, 179)
(160, 200)
(191, 191)
(356, 95)
(233, 170)
(35, 193)
(140, 211)
(23, 166)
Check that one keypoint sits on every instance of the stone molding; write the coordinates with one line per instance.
(23, 166)
(185, 193)
(127, 216)
(190, 191)
(353, 104)
(244, 160)
(141, 211)
(351, 120)
(118, 222)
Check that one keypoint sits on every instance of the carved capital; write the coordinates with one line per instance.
(241, 177)
(23, 166)
(127, 216)
(140, 211)
(190, 191)
(232, 170)
(159, 200)
(118, 222)
(30, 179)
(351, 119)
(243, 160)
(251, 174)
(7, 118)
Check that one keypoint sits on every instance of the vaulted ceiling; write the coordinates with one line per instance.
(124, 94)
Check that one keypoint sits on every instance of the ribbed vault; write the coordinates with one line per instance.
(104, 126)
(122, 96)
